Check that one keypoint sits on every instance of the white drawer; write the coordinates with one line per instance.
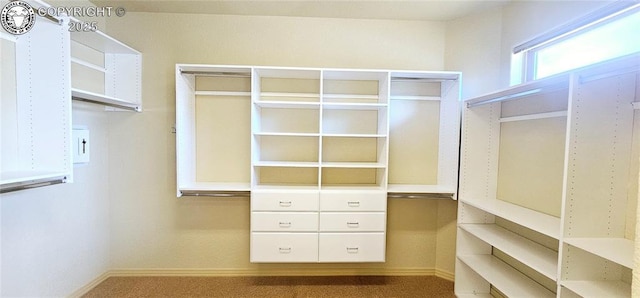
(352, 247)
(284, 247)
(353, 222)
(353, 201)
(284, 201)
(284, 221)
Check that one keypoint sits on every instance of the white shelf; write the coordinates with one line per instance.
(617, 250)
(535, 87)
(289, 187)
(224, 93)
(101, 42)
(78, 94)
(288, 104)
(26, 176)
(504, 277)
(353, 106)
(355, 187)
(352, 135)
(420, 188)
(415, 97)
(285, 134)
(286, 164)
(368, 165)
(593, 288)
(88, 64)
(214, 186)
(537, 221)
(351, 96)
(289, 94)
(534, 255)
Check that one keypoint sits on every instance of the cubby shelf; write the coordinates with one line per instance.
(595, 288)
(537, 221)
(117, 66)
(534, 255)
(507, 279)
(617, 250)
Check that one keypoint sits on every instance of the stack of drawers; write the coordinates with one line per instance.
(318, 226)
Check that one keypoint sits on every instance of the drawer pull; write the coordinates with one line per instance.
(353, 203)
(352, 250)
(284, 250)
(284, 203)
(284, 224)
(353, 224)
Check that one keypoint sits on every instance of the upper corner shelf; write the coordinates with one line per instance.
(102, 42)
(549, 84)
(105, 71)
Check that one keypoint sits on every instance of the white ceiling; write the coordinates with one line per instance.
(425, 10)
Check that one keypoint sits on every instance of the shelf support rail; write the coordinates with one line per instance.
(401, 195)
(113, 105)
(216, 193)
(31, 184)
(217, 73)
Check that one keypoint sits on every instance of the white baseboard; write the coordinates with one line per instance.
(276, 272)
(92, 284)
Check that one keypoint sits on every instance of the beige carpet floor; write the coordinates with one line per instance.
(321, 286)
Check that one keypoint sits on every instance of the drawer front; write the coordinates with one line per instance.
(284, 201)
(284, 247)
(353, 222)
(353, 201)
(284, 222)
(352, 247)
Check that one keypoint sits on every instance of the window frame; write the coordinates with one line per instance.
(524, 58)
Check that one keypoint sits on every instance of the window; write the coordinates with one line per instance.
(606, 34)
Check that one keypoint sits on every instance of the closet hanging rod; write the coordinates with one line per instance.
(32, 184)
(401, 195)
(217, 74)
(216, 193)
(113, 105)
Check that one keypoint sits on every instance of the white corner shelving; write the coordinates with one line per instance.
(105, 71)
(554, 161)
(35, 107)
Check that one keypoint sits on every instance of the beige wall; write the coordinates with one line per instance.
(55, 240)
(152, 229)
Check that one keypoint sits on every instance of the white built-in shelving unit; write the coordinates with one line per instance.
(42, 71)
(314, 148)
(549, 186)
(105, 71)
(35, 106)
